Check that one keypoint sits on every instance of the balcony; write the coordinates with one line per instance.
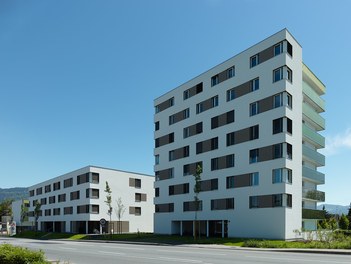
(312, 214)
(313, 136)
(313, 117)
(313, 97)
(313, 175)
(313, 195)
(313, 156)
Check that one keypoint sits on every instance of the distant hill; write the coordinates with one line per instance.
(335, 208)
(13, 193)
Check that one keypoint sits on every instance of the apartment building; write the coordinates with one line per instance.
(252, 123)
(75, 202)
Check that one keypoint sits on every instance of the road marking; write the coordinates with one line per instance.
(67, 248)
(295, 260)
(128, 248)
(192, 252)
(182, 260)
(109, 252)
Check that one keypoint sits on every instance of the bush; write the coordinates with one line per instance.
(17, 255)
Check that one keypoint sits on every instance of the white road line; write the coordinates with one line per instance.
(296, 260)
(67, 248)
(191, 252)
(109, 252)
(128, 248)
(182, 260)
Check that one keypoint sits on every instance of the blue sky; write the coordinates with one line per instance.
(78, 78)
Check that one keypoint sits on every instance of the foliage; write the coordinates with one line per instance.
(197, 190)
(119, 210)
(37, 212)
(108, 200)
(6, 208)
(16, 255)
(344, 222)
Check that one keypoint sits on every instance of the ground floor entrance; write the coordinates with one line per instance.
(202, 228)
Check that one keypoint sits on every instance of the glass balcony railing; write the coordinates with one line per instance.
(312, 214)
(313, 136)
(313, 156)
(313, 96)
(313, 175)
(311, 194)
(316, 118)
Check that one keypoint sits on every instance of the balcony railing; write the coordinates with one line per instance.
(313, 156)
(312, 214)
(313, 175)
(316, 195)
(313, 96)
(314, 117)
(312, 135)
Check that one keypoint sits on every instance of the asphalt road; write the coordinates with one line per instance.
(74, 252)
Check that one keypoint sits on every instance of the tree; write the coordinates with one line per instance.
(119, 211)
(6, 208)
(24, 213)
(37, 212)
(108, 202)
(344, 222)
(197, 190)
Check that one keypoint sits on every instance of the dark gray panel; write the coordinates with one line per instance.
(242, 135)
(243, 89)
(265, 153)
(265, 104)
(242, 180)
(266, 54)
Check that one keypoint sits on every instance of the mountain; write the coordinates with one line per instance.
(13, 193)
(335, 208)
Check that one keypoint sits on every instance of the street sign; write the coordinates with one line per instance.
(102, 221)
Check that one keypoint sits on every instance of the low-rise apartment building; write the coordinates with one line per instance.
(75, 202)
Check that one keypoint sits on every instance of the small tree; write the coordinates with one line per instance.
(6, 208)
(37, 211)
(24, 213)
(344, 222)
(108, 202)
(119, 211)
(197, 190)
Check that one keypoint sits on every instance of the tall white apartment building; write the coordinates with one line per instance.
(75, 202)
(252, 123)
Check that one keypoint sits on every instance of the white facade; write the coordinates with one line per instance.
(19, 207)
(248, 156)
(75, 202)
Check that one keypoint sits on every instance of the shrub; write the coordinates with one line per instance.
(17, 255)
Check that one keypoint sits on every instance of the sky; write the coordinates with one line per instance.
(78, 77)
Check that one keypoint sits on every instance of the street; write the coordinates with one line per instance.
(77, 252)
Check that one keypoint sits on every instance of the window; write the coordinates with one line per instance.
(289, 151)
(57, 186)
(230, 139)
(74, 195)
(230, 182)
(277, 151)
(47, 212)
(254, 202)
(289, 125)
(214, 101)
(230, 95)
(254, 179)
(51, 199)
(171, 119)
(95, 193)
(214, 164)
(277, 125)
(230, 72)
(191, 206)
(31, 193)
(282, 175)
(43, 201)
(157, 192)
(61, 198)
(254, 155)
(278, 100)
(214, 143)
(157, 125)
(289, 74)
(95, 177)
(47, 188)
(68, 210)
(255, 84)
(186, 94)
(83, 178)
(157, 159)
(137, 183)
(230, 116)
(254, 132)
(199, 108)
(230, 160)
(278, 74)
(278, 49)
(39, 191)
(254, 60)
(277, 200)
(82, 209)
(68, 183)
(222, 204)
(214, 80)
(57, 211)
(290, 49)
(94, 209)
(289, 100)
(254, 108)
(186, 113)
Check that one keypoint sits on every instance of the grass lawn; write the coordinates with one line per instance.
(337, 242)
